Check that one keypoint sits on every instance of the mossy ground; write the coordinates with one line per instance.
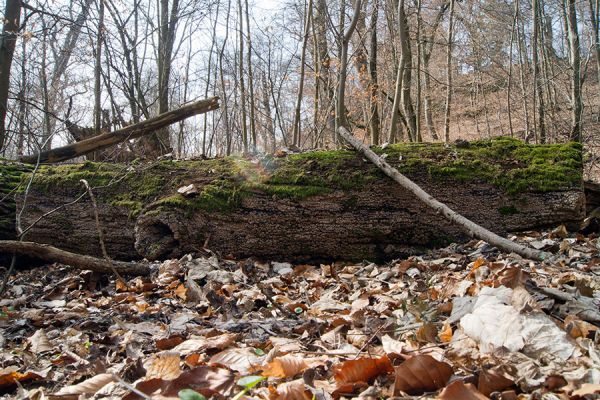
(223, 183)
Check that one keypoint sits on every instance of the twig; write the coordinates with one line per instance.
(130, 387)
(109, 262)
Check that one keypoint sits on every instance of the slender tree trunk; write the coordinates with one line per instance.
(449, 73)
(522, 66)
(210, 61)
(225, 107)
(250, 82)
(12, 17)
(98, 70)
(594, 10)
(374, 123)
(577, 105)
(419, 62)
(341, 119)
(510, 69)
(241, 77)
(22, 103)
(393, 136)
(296, 124)
(540, 128)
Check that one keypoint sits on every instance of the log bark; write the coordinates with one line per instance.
(317, 206)
(52, 254)
(140, 129)
(470, 227)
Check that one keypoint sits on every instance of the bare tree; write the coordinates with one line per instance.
(10, 29)
(575, 58)
(449, 72)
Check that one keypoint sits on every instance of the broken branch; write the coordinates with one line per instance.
(470, 227)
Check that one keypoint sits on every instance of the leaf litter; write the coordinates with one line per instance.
(463, 322)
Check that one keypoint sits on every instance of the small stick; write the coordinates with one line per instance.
(109, 262)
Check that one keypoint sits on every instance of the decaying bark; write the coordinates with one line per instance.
(140, 129)
(318, 206)
(471, 228)
(52, 254)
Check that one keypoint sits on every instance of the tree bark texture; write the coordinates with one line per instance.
(307, 207)
(8, 40)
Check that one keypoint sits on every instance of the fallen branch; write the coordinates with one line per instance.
(470, 227)
(105, 140)
(52, 254)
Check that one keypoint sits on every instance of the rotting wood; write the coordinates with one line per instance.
(314, 206)
(129, 132)
(53, 254)
(470, 227)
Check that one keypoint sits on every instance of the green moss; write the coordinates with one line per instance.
(223, 183)
(296, 192)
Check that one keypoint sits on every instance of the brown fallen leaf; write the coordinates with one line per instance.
(427, 333)
(284, 367)
(457, 390)
(208, 381)
(10, 375)
(361, 370)
(294, 390)
(585, 390)
(164, 366)
(445, 334)
(39, 343)
(242, 360)
(168, 343)
(421, 373)
(89, 386)
(493, 381)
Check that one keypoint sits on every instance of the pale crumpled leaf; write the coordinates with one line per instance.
(39, 342)
(495, 324)
(89, 386)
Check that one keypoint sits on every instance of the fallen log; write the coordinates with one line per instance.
(468, 226)
(52, 254)
(315, 206)
(105, 140)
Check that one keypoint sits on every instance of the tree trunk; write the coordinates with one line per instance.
(340, 108)
(469, 227)
(140, 129)
(12, 16)
(538, 96)
(313, 206)
(296, 124)
(576, 102)
(449, 73)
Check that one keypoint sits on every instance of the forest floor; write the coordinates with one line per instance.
(463, 322)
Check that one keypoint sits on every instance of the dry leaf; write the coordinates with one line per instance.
(89, 386)
(421, 373)
(445, 334)
(10, 375)
(242, 360)
(208, 381)
(164, 366)
(168, 343)
(39, 342)
(587, 389)
(457, 390)
(492, 381)
(427, 333)
(361, 370)
(285, 367)
(294, 390)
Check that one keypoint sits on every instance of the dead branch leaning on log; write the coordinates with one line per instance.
(52, 254)
(129, 132)
(470, 227)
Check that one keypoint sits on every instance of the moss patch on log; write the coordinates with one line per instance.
(223, 183)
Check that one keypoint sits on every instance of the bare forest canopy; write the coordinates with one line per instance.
(290, 73)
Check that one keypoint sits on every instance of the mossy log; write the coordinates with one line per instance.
(311, 206)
